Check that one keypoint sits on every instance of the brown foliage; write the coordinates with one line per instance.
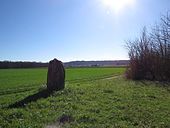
(150, 54)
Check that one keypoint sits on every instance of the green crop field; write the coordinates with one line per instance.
(92, 98)
(15, 78)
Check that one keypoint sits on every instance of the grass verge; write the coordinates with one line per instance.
(102, 103)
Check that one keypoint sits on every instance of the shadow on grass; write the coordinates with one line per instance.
(32, 98)
(162, 84)
(157, 83)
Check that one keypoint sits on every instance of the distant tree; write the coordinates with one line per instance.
(20, 64)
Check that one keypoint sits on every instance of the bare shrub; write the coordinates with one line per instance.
(150, 54)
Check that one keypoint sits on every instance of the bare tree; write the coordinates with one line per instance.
(150, 54)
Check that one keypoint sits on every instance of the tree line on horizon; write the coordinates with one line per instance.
(21, 64)
(150, 53)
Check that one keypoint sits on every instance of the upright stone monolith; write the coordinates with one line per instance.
(56, 75)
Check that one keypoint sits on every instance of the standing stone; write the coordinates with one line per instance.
(56, 75)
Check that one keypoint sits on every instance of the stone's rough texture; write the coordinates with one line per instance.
(56, 75)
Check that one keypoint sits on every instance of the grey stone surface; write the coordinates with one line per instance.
(55, 75)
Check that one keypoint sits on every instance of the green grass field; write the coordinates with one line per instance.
(19, 80)
(88, 101)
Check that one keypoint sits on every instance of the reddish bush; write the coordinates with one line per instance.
(150, 54)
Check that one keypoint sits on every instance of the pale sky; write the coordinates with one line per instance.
(40, 30)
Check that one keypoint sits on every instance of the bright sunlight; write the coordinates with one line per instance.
(117, 5)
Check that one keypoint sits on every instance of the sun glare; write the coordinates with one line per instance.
(117, 5)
